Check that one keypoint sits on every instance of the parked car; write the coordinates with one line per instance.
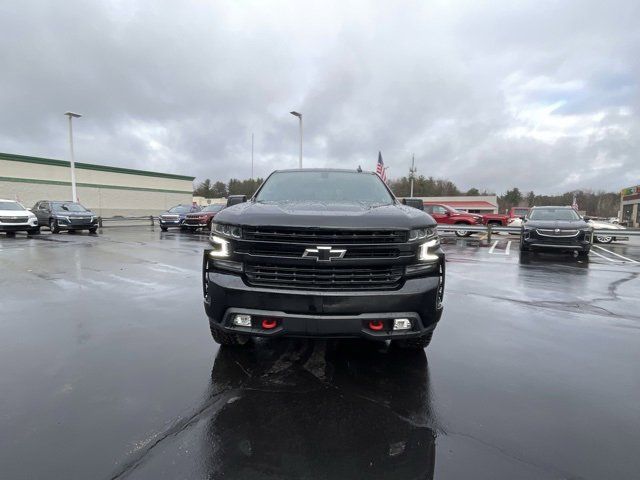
(323, 253)
(559, 228)
(15, 218)
(60, 215)
(175, 216)
(446, 215)
(203, 218)
(504, 220)
(616, 233)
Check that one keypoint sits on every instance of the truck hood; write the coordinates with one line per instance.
(562, 224)
(329, 215)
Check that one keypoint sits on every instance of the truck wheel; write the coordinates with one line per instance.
(93, 230)
(604, 239)
(417, 343)
(229, 339)
(33, 231)
(164, 229)
(462, 233)
(584, 254)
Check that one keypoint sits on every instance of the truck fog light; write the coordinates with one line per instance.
(242, 320)
(401, 324)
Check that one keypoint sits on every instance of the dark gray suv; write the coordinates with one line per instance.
(60, 215)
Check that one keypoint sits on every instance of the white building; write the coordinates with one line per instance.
(106, 190)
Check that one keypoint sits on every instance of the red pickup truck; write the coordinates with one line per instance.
(444, 214)
(498, 219)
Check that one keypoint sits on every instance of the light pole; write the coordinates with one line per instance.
(412, 173)
(299, 115)
(74, 194)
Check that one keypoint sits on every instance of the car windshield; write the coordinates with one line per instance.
(68, 207)
(180, 209)
(213, 208)
(521, 211)
(11, 206)
(325, 186)
(567, 214)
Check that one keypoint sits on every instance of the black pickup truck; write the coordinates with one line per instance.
(323, 253)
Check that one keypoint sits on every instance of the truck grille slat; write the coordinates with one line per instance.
(324, 235)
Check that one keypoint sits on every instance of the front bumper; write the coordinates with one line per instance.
(581, 242)
(19, 227)
(77, 226)
(341, 314)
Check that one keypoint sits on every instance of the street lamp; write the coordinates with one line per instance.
(299, 115)
(74, 194)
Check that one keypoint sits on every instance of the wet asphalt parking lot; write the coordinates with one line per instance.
(107, 370)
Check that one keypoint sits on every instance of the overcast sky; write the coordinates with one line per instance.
(540, 95)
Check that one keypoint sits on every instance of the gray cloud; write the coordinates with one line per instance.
(540, 95)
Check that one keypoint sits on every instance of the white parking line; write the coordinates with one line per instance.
(616, 254)
(606, 258)
(495, 244)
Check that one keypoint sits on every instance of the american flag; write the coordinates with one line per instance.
(380, 170)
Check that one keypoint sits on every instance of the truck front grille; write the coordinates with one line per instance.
(324, 278)
(323, 236)
(296, 251)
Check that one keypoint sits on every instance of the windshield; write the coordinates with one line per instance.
(567, 214)
(213, 208)
(325, 186)
(11, 206)
(181, 209)
(520, 211)
(68, 207)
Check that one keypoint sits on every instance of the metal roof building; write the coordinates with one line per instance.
(471, 204)
(106, 190)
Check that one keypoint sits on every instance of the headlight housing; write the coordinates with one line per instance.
(425, 253)
(422, 233)
(220, 247)
(226, 230)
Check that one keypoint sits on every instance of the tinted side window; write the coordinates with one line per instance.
(439, 210)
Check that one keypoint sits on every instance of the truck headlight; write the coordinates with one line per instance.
(226, 230)
(220, 247)
(425, 253)
(422, 233)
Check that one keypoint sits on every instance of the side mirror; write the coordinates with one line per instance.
(448, 214)
(235, 199)
(413, 202)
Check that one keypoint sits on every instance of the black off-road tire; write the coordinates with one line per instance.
(228, 339)
(416, 343)
(93, 230)
(53, 226)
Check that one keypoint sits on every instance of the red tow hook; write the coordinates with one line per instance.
(269, 323)
(376, 325)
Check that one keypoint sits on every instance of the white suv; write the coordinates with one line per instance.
(14, 217)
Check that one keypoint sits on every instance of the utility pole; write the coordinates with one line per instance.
(74, 193)
(299, 115)
(412, 172)
(251, 155)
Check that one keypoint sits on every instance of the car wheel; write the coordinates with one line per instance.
(93, 230)
(71, 231)
(33, 231)
(53, 226)
(583, 254)
(11, 234)
(164, 229)
(228, 339)
(604, 239)
(417, 343)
